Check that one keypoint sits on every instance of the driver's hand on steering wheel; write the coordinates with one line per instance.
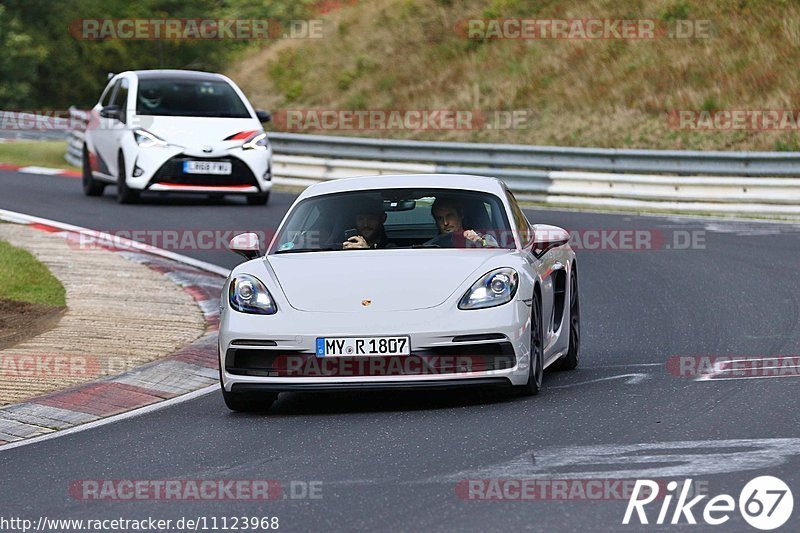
(355, 242)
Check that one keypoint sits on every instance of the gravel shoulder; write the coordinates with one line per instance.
(120, 314)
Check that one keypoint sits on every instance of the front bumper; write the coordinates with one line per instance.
(454, 383)
(162, 170)
(448, 349)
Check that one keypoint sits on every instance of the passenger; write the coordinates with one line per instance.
(449, 216)
(369, 225)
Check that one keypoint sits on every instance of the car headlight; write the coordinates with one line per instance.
(495, 288)
(247, 294)
(145, 139)
(258, 141)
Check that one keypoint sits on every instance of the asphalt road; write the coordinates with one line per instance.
(394, 460)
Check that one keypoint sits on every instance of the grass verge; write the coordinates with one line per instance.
(39, 153)
(610, 92)
(24, 279)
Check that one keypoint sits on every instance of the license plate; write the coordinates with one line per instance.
(222, 168)
(354, 346)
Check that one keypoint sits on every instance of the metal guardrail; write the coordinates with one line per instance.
(512, 156)
(720, 182)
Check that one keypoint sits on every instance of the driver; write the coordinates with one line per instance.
(369, 225)
(449, 216)
(150, 97)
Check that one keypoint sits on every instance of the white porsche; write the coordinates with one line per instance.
(176, 131)
(409, 281)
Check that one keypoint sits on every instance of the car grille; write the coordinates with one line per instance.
(172, 172)
(434, 361)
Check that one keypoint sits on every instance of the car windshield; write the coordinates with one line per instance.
(189, 98)
(396, 218)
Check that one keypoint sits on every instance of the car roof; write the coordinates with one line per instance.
(173, 74)
(407, 181)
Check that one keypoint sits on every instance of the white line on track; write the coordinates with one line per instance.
(111, 419)
(632, 379)
(13, 216)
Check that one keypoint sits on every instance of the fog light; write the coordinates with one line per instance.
(137, 172)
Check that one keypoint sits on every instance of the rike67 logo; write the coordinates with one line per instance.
(765, 503)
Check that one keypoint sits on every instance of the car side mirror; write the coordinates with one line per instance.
(547, 237)
(263, 116)
(246, 245)
(111, 111)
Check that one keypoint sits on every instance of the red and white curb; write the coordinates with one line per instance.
(46, 171)
(183, 375)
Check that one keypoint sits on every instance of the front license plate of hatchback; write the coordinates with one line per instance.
(355, 346)
(220, 168)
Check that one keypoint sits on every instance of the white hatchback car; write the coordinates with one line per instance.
(176, 131)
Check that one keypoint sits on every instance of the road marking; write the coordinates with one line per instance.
(13, 216)
(621, 366)
(657, 460)
(41, 170)
(111, 419)
(632, 379)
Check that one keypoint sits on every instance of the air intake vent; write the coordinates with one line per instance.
(480, 337)
(253, 342)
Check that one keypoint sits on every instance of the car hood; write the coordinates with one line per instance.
(196, 132)
(390, 280)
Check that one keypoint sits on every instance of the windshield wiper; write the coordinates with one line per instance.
(425, 245)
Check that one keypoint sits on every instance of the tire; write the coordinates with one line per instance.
(258, 199)
(91, 187)
(570, 360)
(247, 402)
(536, 367)
(124, 194)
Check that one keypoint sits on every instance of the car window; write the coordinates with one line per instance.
(121, 94)
(189, 98)
(105, 98)
(520, 220)
(419, 216)
(325, 222)
(120, 97)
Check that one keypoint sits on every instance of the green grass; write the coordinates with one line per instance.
(24, 279)
(39, 153)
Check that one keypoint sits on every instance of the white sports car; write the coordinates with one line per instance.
(411, 281)
(176, 131)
